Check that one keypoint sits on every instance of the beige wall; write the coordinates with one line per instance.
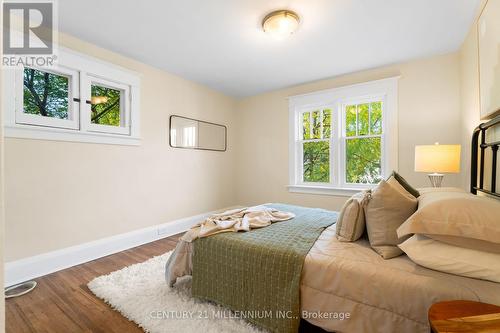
(469, 91)
(60, 194)
(429, 111)
(2, 215)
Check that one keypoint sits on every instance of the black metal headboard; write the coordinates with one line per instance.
(479, 142)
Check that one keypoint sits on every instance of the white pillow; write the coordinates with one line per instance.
(456, 260)
(456, 214)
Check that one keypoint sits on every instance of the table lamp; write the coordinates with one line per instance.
(437, 159)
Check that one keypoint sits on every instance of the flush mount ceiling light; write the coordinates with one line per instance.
(281, 23)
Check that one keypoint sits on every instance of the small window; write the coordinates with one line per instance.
(45, 94)
(48, 98)
(108, 110)
(78, 99)
(106, 106)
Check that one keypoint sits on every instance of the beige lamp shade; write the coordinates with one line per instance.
(437, 158)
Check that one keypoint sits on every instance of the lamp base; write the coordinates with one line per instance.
(436, 179)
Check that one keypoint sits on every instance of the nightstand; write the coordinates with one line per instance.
(464, 316)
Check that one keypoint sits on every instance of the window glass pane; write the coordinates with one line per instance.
(316, 125)
(350, 120)
(327, 123)
(105, 106)
(45, 94)
(306, 125)
(317, 161)
(363, 119)
(363, 160)
(376, 118)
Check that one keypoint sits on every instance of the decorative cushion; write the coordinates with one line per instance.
(397, 185)
(405, 184)
(452, 259)
(389, 206)
(350, 225)
(457, 214)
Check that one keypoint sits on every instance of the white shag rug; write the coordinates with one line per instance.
(141, 294)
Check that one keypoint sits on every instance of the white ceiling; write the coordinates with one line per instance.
(220, 43)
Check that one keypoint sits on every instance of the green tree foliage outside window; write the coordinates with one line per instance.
(351, 120)
(306, 125)
(45, 94)
(363, 158)
(105, 109)
(317, 161)
(363, 143)
(316, 131)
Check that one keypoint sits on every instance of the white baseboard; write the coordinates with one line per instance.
(29, 268)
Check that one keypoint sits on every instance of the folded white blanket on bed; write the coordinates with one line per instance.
(242, 219)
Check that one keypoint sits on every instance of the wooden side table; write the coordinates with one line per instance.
(464, 316)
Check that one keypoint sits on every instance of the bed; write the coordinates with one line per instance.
(379, 295)
(347, 287)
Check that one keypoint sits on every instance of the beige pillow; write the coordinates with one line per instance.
(397, 185)
(390, 205)
(468, 243)
(350, 225)
(455, 214)
(452, 259)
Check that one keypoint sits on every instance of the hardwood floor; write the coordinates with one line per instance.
(62, 303)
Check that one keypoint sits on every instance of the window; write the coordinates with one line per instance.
(108, 110)
(46, 94)
(80, 99)
(48, 98)
(316, 137)
(343, 139)
(363, 142)
(106, 106)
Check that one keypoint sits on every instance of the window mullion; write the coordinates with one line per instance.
(333, 178)
(357, 120)
(321, 123)
(299, 177)
(336, 137)
(84, 106)
(369, 118)
(310, 124)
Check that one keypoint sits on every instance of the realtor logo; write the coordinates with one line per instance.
(29, 33)
(35, 20)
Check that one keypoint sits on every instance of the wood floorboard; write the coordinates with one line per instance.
(62, 302)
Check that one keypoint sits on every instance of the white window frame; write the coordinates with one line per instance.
(124, 127)
(83, 69)
(385, 90)
(299, 147)
(73, 92)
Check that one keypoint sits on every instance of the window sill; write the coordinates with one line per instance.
(324, 190)
(60, 134)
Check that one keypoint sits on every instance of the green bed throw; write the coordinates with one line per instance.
(257, 273)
